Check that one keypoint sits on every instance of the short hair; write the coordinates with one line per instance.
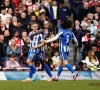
(41, 1)
(12, 55)
(34, 23)
(66, 24)
(54, 0)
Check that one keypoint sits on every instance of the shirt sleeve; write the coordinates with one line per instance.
(55, 38)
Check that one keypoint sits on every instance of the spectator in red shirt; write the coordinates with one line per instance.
(16, 2)
(94, 3)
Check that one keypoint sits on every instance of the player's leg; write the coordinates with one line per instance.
(31, 58)
(47, 69)
(60, 68)
(68, 66)
(60, 64)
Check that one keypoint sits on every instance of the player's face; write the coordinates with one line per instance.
(34, 27)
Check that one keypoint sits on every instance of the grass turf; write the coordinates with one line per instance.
(44, 85)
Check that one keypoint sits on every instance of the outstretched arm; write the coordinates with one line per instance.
(54, 38)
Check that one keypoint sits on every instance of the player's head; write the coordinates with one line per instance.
(34, 26)
(66, 24)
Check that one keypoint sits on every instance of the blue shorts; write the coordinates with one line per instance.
(42, 56)
(33, 56)
(64, 55)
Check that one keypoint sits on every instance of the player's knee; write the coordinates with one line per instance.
(29, 61)
(60, 63)
(65, 62)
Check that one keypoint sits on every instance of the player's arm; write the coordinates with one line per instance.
(75, 42)
(54, 38)
(39, 45)
(38, 32)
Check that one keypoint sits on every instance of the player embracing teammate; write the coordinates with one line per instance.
(64, 35)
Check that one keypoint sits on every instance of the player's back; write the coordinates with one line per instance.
(65, 38)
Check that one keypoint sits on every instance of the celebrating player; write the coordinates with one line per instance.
(65, 35)
(35, 53)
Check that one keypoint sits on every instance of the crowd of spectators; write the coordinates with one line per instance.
(16, 17)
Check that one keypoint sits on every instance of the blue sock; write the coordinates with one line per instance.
(59, 70)
(32, 71)
(70, 68)
(48, 70)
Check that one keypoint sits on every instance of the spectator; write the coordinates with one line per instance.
(92, 61)
(2, 49)
(75, 30)
(88, 45)
(84, 11)
(7, 24)
(10, 11)
(4, 15)
(7, 38)
(24, 36)
(86, 38)
(42, 19)
(12, 64)
(3, 27)
(29, 3)
(82, 67)
(25, 50)
(54, 14)
(24, 20)
(13, 49)
(19, 28)
(55, 59)
(98, 26)
(37, 10)
(42, 6)
(15, 2)
(8, 4)
(29, 12)
(98, 50)
(63, 12)
(47, 26)
(90, 26)
(98, 35)
(21, 8)
(94, 3)
(79, 36)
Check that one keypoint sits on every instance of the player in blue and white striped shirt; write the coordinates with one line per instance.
(35, 53)
(64, 37)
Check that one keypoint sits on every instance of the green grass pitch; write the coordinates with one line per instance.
(56, 85)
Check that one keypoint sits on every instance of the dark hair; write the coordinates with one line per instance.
(54, 0)
(66, 24)
(12, 55)
(55, 41)
(87, 19)
(24, 31)
(34, 23)
(55, 51)
(41, 1)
